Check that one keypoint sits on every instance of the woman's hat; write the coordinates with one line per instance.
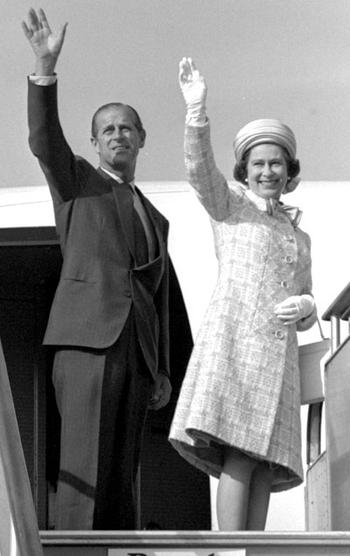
(264, 131)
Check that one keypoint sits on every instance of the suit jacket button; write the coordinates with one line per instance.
(279, 334)
(127, 293)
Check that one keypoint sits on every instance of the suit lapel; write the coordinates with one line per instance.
(155, 217)
(123, 200)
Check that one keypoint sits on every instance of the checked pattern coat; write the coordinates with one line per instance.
(242, 386)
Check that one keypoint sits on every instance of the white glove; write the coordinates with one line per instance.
(295, 308)
(194, 90)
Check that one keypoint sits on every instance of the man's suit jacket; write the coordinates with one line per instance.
(100, 280)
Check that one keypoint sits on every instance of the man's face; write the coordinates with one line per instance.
(117, 140)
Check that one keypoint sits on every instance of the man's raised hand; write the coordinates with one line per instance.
(46, 45)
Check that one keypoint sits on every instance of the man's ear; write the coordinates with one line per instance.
(95, 144)
(142, 135)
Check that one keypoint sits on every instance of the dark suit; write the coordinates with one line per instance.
(106, 308)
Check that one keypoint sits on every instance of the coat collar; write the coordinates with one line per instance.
(272, 207)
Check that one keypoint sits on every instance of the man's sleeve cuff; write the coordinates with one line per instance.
(43, 80)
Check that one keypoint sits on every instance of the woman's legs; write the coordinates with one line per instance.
(233, 490)
(259, 498)
(243, 492)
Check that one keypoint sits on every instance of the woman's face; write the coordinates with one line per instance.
(267, 171)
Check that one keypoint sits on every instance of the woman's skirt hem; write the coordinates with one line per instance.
(206, 453)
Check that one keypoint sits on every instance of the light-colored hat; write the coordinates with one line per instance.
(264, 131)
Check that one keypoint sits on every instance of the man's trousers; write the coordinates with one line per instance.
(102, 397)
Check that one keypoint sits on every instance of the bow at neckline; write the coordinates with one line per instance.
(294, 213)
(273, 206)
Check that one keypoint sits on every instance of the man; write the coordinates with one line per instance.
(109, 317)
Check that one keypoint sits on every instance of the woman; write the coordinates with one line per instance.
(238, 414)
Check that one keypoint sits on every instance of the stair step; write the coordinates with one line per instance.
(185, 543)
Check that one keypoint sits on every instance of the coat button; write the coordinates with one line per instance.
(284, 283)
(127, 293)
(288, 259)
(279, 334)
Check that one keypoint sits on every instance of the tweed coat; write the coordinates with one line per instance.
(242, 386)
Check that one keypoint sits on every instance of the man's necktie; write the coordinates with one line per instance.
(141, 246)
(147, 224)
(141, 226)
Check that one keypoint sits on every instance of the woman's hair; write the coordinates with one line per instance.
(240, 169)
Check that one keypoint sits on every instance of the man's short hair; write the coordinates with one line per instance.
(137, 122)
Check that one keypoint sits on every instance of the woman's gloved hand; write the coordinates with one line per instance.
(194, 90)
(295, 308)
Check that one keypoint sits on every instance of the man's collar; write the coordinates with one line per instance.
(118, 178)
